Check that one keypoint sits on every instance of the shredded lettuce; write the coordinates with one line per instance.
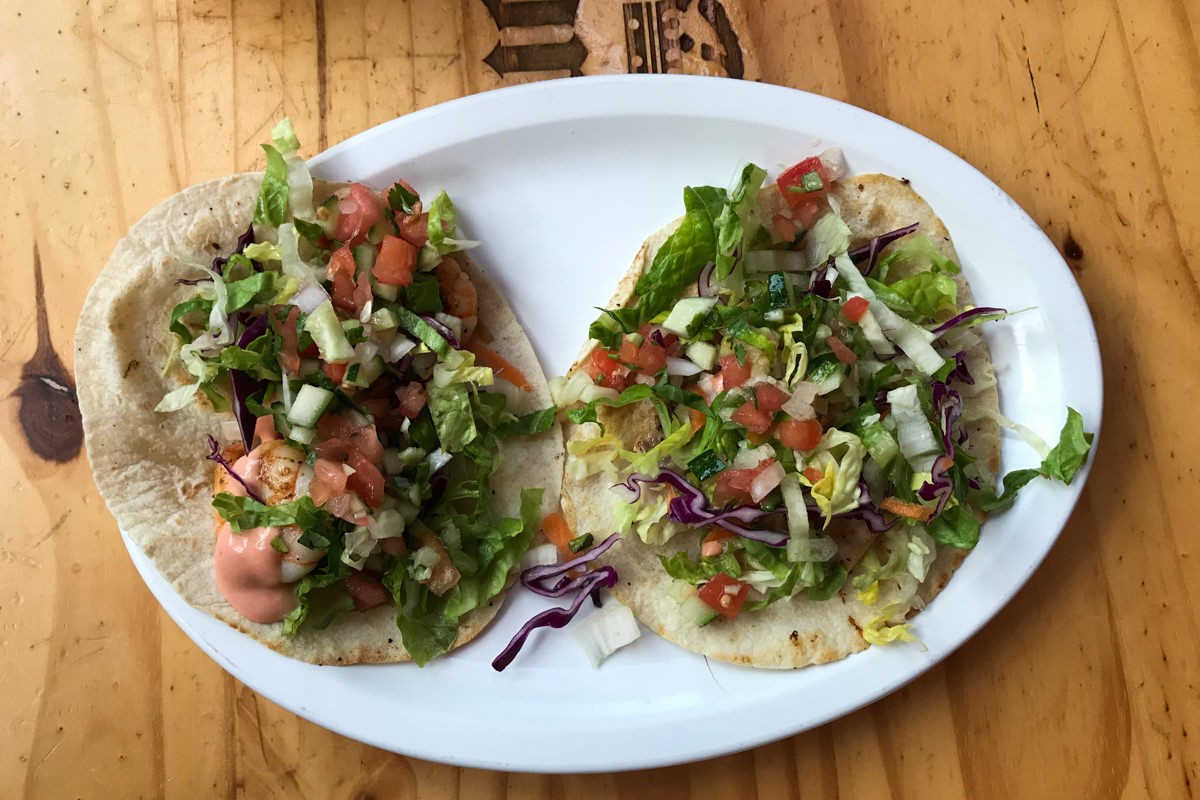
(839, 457)
(829, 237)
(459, 367)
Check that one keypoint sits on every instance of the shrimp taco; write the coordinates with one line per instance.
(315, 414)
(788, 414)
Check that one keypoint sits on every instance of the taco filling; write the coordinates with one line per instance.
(380, 408)
(790, 415)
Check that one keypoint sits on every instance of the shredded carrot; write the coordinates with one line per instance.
(698, 419)
(902, 508)
(487, 357)
(559, 533)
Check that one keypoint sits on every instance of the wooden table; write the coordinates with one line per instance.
(1087, 113)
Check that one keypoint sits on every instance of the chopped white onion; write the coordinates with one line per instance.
(594, 392)
(606, 630)
(765, 481)
(682, 366)
(541, 555)
(799, 405)
(834, 161)
(749, 458)
(398, 349)
(310, 295)
(438, 459)
(286, 388)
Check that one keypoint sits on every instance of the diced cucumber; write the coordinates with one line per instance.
(322, 324)
(364, 259)
(309, 366)
(703, 353)
(680, 591)
(385, 291)
(385, 319)
(687, 314)
(308, 406)
(698, 611)
(366, 374)
(302, 435)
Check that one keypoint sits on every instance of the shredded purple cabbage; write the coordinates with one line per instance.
(691, 508)
(443, 330)
(947, 407)
(605, 577)
(821, 285)
(868, 511)
(958, 319)
(244, 241)
(536, 579)
(871, 250)
(189, 282)
(704, 285)
(656, 336)
(243, 385)
(216, 456)
(960, 371)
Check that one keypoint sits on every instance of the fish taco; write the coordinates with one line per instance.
(315, 414)
(788, 413)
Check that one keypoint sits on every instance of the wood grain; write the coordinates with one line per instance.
(1087, 112)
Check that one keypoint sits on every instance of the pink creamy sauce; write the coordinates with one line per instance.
(248, 569)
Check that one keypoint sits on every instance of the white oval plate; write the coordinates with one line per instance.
(561, 181)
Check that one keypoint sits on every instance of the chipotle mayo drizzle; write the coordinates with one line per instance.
(247, 567)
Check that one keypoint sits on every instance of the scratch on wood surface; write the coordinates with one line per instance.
(322, 78)
(52, 530)
(1095, 58)
(45, 756)
(1033, 83)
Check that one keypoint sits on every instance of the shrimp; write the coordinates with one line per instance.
(458, 294)
(279, 467)
(299, 560)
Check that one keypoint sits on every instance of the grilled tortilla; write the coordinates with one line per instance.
(150, 467)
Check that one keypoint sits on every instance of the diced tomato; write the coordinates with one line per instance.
(844, 354)
(414, 229)
(341, 262)
(647, 357)
(807, 212)
(343, 291)
(329, 479)
(785, 228)
(752, 419)
(342, 427)
(724, 594)
(412, 399)
(367, 480)
(396, 260)
(358, 210)
(289, 359)
(813, 474)
(733, 485)
(605, 370)
(363, 293)
(733, 374)
(342, 506)
(791, 181)
(394, 546)
(711, 544)
(800, 434)
(770, 398)
(366, 590)
(854, 309)
(335, 372)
